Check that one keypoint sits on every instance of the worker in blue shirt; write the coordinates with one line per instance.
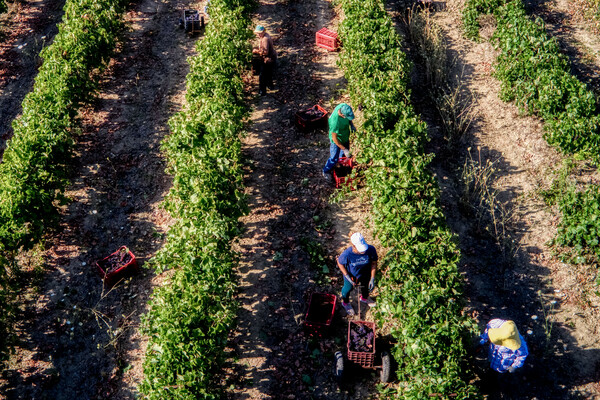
(507, 348)
(358, 264)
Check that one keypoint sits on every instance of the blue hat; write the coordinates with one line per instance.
(259, 28)
(347, 111)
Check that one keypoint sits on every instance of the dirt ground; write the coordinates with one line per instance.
(77, 339)
(555, 305)
(271, 356)
(81, 341)
(25, 29)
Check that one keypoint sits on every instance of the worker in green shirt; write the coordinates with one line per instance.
(340, 124)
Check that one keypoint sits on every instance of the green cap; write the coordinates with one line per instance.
(347, 111)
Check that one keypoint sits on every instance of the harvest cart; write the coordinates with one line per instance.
(361, 350)
(119, 265)
(319, 315)
(192, 21)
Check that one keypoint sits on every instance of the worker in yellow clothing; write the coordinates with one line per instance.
(507, 348)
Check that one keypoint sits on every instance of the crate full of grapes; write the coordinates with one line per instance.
(311, 118)
(119, 265)
(342, 172)
(361, 343)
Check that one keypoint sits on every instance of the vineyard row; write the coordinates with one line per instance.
(536, 75)
(420, 298)
(34, 169)
(191, 316)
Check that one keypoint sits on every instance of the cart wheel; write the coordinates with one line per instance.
(339, 366)
(202, 22)
(386, 367)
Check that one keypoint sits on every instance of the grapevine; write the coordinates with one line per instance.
(536, 76)
(421, 290)
(34, 169)
(191, 316)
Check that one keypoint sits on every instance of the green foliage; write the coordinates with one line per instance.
(421, 288)
(33, 172)
(373, 67)
(191, 316)
(579, 228)
(473, 10)
(560, 184)
(535, 74)
(316, 253)
(3, 6)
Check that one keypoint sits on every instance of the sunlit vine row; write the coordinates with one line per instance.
(420, 299)
(536, 75)
(34, 169)
(192, 314)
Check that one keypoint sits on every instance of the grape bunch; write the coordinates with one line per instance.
(116, 261)
(342, 170)
(314, 112)
(362, 338)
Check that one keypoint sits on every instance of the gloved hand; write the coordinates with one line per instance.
(349, 279)
(371, 284)
(347, 153)
(352, 128)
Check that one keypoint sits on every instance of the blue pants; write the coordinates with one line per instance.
(364, 290)
(334, 155)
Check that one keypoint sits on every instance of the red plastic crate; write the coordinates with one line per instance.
(305, 120)
(319, 315)
(342, 171)
(364, 359)
(127, 269)
(327, 39)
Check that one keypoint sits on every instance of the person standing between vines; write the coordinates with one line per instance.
(358, 264)
(507, 348)
(340, 125)
(268, 59)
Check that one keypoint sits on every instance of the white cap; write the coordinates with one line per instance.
(358, 241)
